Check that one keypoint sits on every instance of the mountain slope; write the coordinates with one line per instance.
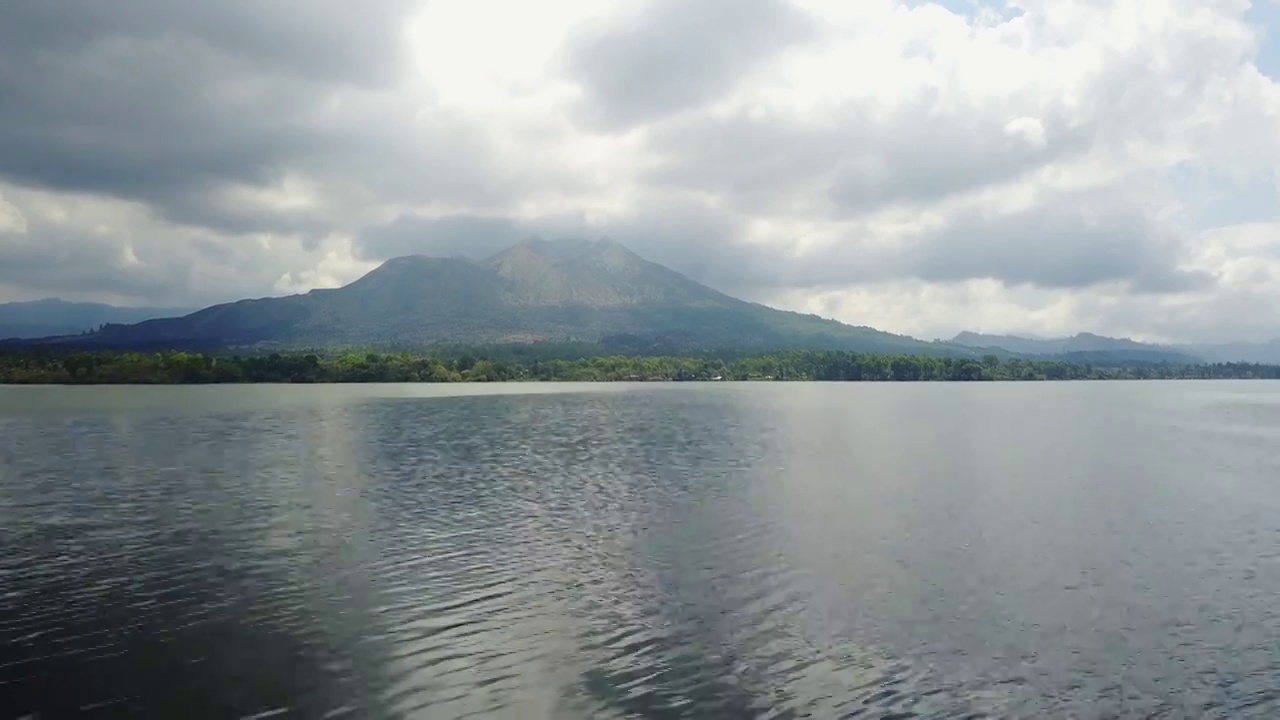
(1267, 353)
(1082, 347)
(536, 291)
(43, 318)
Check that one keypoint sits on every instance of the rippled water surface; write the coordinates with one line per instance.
(712, 551)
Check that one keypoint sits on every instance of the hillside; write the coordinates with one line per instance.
(43, 318)
(1263, 352)
(1084, 347)
(566, 290)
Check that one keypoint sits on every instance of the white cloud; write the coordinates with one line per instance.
(1024, 168)
(1244, 259)
(336, 268)
(11, 218)
(1028, 129)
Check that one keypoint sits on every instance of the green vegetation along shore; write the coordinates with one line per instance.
(47, 367)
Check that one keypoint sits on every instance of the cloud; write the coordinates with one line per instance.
(86, 247)
(143, 99)
(911, 157)
(1244, 260)
(670, 55)
(247, 117)
(1040, 166)
(12, 221)
(448, 236)
(83, 262)
(679, 232)
(1073, 242)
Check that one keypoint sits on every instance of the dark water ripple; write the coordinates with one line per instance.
(1088, 551)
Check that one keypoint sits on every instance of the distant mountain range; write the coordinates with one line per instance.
(538, 290)
(43, 318)
(1084, 347)
(1098, 347)
(595, 292)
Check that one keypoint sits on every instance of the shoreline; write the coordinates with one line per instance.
(534, 381)
(494, 366)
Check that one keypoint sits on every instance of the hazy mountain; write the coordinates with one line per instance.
(1265, 352)
(1084, 347)
(44, 318)
(538, 290)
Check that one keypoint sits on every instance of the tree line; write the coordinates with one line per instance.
(177, 367)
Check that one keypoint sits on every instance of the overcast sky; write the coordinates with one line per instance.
(1041, 166)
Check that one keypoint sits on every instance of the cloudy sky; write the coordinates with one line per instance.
(1042, 166)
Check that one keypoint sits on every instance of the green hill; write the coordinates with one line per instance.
(537, 291)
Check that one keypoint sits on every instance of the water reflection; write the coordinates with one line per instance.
(170, 565)
(757, 551)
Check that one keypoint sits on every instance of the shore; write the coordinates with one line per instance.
(184, 368)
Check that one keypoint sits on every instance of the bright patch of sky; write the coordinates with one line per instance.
(1213, 201)
(1265, 14)
(970, 9)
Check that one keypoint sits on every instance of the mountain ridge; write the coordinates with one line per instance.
(1124, 348)
(536, 290)
(1267, 352)
(55, 316)
(1083, 345)
(566, 290)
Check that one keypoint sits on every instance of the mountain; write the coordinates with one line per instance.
(43, 318)
(538, 290)
(1084, 347)
(1267, 353)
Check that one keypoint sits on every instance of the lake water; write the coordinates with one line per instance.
(1086, 550)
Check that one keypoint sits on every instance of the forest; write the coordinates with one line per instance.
(44, 366)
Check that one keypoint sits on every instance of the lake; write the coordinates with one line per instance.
(1087, 550)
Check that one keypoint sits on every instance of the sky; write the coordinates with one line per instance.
(1041, 167)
